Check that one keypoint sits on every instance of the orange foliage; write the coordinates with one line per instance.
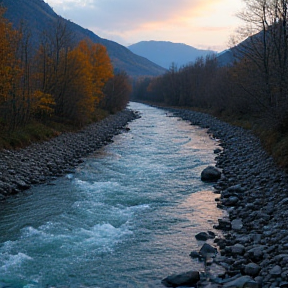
(64, 82)
(42, 103)
(8, 64)
(90, 68)
(99, 65)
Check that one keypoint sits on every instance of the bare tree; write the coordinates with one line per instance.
(265, 52)
(53, 61)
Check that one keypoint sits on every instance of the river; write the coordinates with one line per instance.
(126, 218)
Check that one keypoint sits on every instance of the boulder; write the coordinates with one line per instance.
(184, 279)
(195, 254)
(202, 236)
(256, 253)
(237, 249)
(207, 251)
(211, 234)
(210, 174)
(21, 184)
(217, 151)
(224, 224)
(237, 224)
(252, 269)
(241, 282)
(276, 271)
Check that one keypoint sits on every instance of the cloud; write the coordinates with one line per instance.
(129, 14)
(130, 20)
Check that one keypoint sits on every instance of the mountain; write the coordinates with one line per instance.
(247, 46)
(39, 16)
(165, 53)
(226, 58)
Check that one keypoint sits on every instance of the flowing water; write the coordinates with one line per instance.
(126, 218)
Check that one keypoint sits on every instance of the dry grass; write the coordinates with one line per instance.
(37, 131)
(24, 136)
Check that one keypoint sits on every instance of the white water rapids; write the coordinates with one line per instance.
(126, 218)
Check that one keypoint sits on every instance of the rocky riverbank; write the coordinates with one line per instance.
(254, 192)
(40, 162)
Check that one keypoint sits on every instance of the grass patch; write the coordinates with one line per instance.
(24, 136)
(99, 114)
(37, 131)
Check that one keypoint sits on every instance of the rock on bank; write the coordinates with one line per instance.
(254, 192)
(37, 163)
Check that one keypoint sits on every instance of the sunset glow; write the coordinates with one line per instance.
(202, 24)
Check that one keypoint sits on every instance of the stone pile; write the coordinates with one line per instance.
(254, 192)
(39, 162)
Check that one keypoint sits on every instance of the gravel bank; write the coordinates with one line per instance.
(254, 192)
(40, 162)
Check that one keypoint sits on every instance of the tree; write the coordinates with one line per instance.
(266, 51)
(52, 62)
(87, 69)
(10, 73)
(117, 92)
(101, 68)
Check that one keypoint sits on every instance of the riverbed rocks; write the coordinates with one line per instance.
(242, 282)
(203, 236)
(254, 193)
(207, 251)
(40, 162)
(187, 279)
(210, 174)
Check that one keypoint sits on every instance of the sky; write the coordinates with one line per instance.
(203, 24)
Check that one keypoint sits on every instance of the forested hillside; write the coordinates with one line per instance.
(251, 91)
(39, 18)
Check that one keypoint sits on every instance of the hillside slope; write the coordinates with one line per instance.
(165, 53)
(39, 16)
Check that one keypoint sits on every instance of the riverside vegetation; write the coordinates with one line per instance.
(57, 85)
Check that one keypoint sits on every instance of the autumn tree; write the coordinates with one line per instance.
(72, 74)
(100, 68)
(87, 68)
(59, 80)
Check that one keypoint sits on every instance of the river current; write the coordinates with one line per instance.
(126, 218)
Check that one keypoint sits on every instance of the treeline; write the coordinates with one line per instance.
(60, 80)
(255, 84)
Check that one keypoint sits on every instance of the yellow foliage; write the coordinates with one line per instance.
(42, 103)
(90, 68)
(101, 69)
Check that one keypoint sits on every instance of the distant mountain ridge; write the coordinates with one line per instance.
(39, 16)
(164, 53)
(235, 53)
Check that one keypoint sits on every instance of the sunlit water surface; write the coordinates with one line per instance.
(126, 218)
